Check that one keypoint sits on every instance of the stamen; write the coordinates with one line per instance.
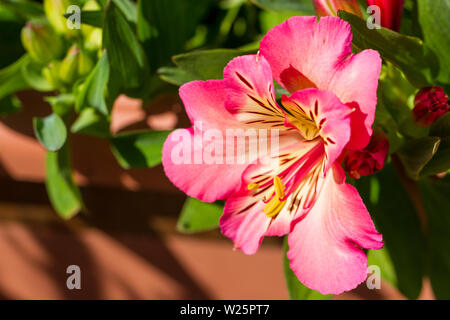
(274, 206)
(253, 186)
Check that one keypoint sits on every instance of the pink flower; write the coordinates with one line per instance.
(331, 7)
(370, 159)
(391, 12)
(300, 191)
(430, 104)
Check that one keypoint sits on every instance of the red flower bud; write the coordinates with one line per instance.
(391, 12)
(370, 159)
(430, 103)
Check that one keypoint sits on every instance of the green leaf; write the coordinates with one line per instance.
(11, 77)
(90, 17)
(207, 64)
(141, 149)
(441, 128)
(434, 19)
(164, 27)
(417, 62)
(50, 131)
(416, 153)
(126, 56)
(92, 91)
(128, 9)
(174, 75)
(305, 7)
(24, 8)
(440, 161)
(297, 290)
(382, 259)
(92, 123)
(435, 195)
(399, 224)
(199, 216)
(61, 189)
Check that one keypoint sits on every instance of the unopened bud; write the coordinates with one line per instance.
(51, 74)
(430, 104)
(77, 63)
(370, 159)
(41, 42)
(55, 10)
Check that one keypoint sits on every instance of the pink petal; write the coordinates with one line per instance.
(321, 54)
(250, 92)
(314, 49)
(205, 101)
(244, 222)
(207, 182)
(355, 84)
(328, 113)
(325, 247)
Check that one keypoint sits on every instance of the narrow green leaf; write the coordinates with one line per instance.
(297, 290)
(126, 56)
(435, 195)
(164, 27)
(197, 216)
(128, 9)
(11, 77)
(92, 91)
(50, 131)
(434, 20)
(61, 189)
(417, 62)
(90, 17)
(207, 64)
(416, 153)
(141, 149)
(398, 222)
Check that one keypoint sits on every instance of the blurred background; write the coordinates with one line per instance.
(127, 241)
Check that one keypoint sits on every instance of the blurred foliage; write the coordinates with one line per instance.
(146, 48)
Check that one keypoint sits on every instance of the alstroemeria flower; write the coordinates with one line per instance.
(300, 191)
(391, 12)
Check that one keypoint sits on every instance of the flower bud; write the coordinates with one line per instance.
(68, 69)
(331, 7)
(391, 12)
(41, 42)
(430, 103)
(55, 10)
(370, 159)
(85, 63)
(51, 74)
